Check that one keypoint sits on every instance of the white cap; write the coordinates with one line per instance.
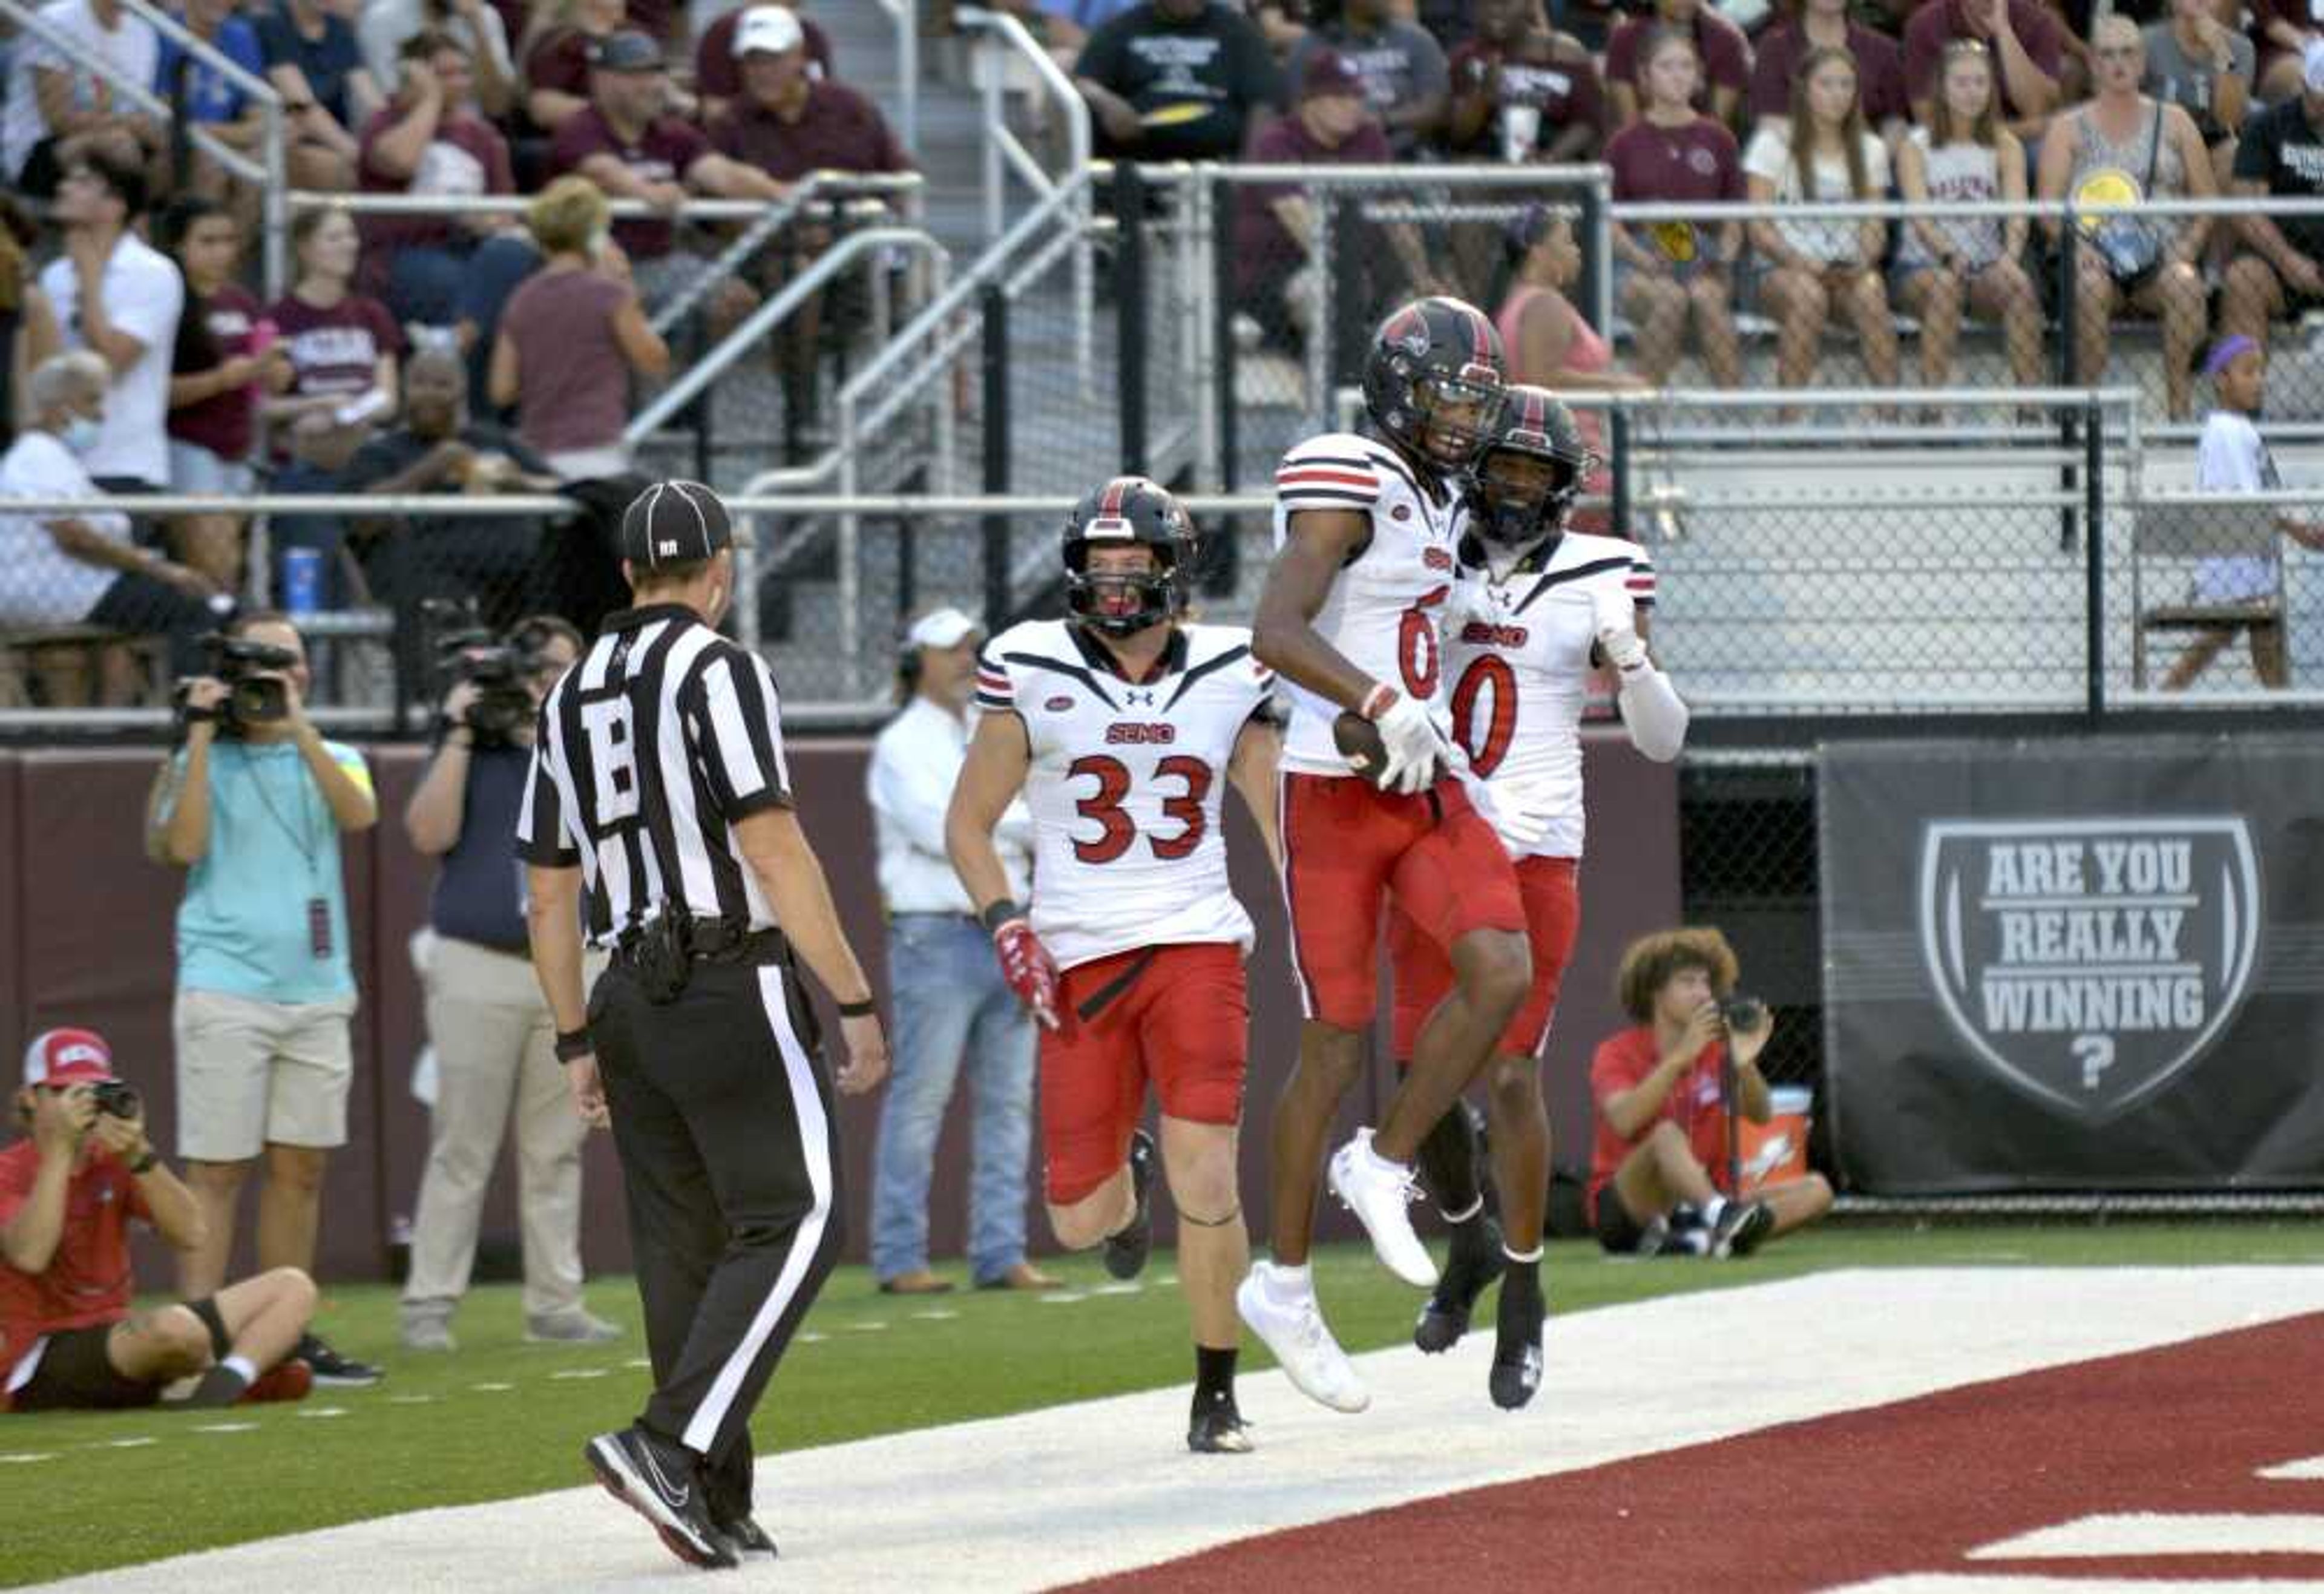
(770, 28)
(2311, 63)
(941, 628)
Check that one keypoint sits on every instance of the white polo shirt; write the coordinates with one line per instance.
(39, 583)
(143, 297)
(914, 764)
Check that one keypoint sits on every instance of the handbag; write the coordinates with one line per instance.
(2132, 250)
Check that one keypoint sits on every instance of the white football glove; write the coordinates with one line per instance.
(1522, 809)
(1414, 750)
(1617, 617)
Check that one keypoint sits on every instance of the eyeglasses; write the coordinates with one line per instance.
(2120, 52)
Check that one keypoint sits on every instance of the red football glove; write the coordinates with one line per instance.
(1028, 968)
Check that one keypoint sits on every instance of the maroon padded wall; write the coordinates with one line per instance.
(86, 938)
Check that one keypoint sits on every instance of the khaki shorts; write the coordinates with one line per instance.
(253, 1073)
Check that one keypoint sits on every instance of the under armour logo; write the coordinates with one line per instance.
(1138, 699)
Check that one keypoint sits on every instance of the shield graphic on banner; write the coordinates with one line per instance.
(2090, 961)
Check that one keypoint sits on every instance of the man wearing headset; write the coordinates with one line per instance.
(952, 1007)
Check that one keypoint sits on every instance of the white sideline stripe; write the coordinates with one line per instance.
(1975, 1583)
(2295, 1471)
(2164, 1532)
(1030, 1501)
(814, 1153)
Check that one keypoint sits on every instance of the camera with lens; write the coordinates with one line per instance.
(466, 651)
(257, 694)
(1742, 1012)
(114, 1099)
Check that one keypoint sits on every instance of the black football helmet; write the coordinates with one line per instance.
(1433, 379)
(1530, 469)
(1127, 509)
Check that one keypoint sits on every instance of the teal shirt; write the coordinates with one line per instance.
(245, 926)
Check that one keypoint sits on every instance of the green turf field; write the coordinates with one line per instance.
(501, 1417)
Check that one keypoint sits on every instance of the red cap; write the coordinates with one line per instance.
(66, 1057)
(1328, 72)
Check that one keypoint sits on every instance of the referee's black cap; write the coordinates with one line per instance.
(674, 523)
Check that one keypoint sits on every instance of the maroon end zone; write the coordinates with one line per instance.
(1908, 1488)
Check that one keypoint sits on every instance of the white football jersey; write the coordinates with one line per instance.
(1385, 609)
(1126, 783)
(1517, 652)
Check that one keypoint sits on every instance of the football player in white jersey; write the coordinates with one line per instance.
(1365, 534)
(1117, 724)
(1539, 609)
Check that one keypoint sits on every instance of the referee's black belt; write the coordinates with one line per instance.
(718, 941)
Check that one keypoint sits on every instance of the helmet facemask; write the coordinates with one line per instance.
(1454, 415)
(1122, 603)
(1527, 493)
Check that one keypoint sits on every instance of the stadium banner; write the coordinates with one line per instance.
(2088, 964)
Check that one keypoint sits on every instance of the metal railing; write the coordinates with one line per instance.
(903, 16)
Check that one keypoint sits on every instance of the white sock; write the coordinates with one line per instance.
(1522, 1258)
(1286, 1285)
(1712, 1209)
(241, 1368)
(1465, 1213)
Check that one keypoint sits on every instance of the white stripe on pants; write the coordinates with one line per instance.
(495, 1052)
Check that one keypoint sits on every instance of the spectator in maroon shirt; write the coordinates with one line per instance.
(554, 57)
(426, 141)
(1669, 271)
(2028, 46)
(625, 144)
(1279, 280)
(1723, 56)
(570, 338)
(225, 354)
(718, 67)
(1514, 66)
(1826, 23)
(343, 348)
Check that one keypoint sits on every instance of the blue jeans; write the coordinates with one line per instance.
(950, 1003)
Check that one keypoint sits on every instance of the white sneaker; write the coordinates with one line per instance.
(1379, 1195)
(1310, 1357)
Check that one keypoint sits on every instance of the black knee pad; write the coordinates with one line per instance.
(221, 1342)
(1448, 1160)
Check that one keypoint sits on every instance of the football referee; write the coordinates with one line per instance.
(659, 783)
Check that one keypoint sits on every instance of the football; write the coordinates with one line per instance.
(1359, 742)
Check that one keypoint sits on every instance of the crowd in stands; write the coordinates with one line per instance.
(1689, 102)
(461, 350)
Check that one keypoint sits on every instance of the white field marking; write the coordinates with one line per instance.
(1166, 1279)
(808, 1337)
(1060, 1297)
(2301, 1471)
(413, 1399)
(2164, 1532)
(868, 1328)
(1993, 1582)
(936, 1314)
(322, 1411)
(1106, 1486)
(637, 1362)
(225, 1427)
(136, 1443)
(582, 1372)
(1127, 1286)
(490, 1388)
(27, 1457)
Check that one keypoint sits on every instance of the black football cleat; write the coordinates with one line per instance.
(744, 1535)
(1472, 1265)
(1218, 1429)
(659, 1482)
(1517, 1340)
(1741, 1227)
(1125, 1251)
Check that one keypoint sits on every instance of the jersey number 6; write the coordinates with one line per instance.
(1118, 829)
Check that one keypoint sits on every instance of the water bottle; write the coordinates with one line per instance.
(302, 582)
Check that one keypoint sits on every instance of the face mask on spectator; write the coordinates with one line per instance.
(81, 434)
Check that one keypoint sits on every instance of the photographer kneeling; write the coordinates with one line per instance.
(68, 1192)
(1661, 1097)
(253, 807)
(495, 1038)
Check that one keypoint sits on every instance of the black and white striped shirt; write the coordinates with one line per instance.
(663, 736)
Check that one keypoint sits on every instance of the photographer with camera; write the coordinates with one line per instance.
(253, 807)
(68, 1192)
(1662, 1093)
(494, 1036)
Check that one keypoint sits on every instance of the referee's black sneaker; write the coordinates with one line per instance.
(660, 1482)
(746, 1537)
(1125, 1251)
(1475, 1263)
(333, 1370)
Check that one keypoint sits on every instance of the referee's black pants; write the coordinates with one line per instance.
(723, 1117)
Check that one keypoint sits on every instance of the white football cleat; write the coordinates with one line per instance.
(1379, 1194)
(1310, 1358)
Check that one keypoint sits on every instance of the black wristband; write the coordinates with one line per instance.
(573, 1043)
(1000, 914)
(144, 1164)
(858, 1009)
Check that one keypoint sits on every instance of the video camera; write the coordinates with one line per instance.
(499, 669)
(256, 692)
(1742, 1012)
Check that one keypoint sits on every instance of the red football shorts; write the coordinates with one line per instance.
(1552, 908)
(1175, 1015)
(1347, 846)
